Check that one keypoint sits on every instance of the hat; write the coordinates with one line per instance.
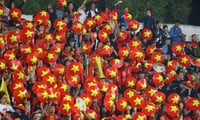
(20, 106)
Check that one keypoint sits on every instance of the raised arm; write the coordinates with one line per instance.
(82, 5)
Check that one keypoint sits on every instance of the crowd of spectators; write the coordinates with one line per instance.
(163, 39)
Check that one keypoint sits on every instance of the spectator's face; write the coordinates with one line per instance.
(195, 38)
(66, 20)
(92, 6)
(84, 7)
(123, 28)
(71, 6)
(166, 29)
(159, 24)
(3, 99)
(126, 9)
(167, 42)
(181, 76)
(141, 76)
(148, 13)
(12, 5)
(177, 24)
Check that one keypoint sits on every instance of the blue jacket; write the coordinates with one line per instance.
(174, 33)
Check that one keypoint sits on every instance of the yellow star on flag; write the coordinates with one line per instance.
(61, 71)
(175, 100)
(14, 67)
(134, 26)
(104, 89)
(11, 56)
(43, 13)
(79, 26)
(106, 47)
(1, 12)
(48, 37)
(125, 53)
(94, 93)
(66, 107)
(195, 103)
(28, 50)
(22, 94)
(124, 104)
(74, 79)
(13, 38)
(41, 86)
(149, 108)
(184, 60)
(40, 50)
(50, 56)
(45, 94)
(147, 34)
(28, 33)
(86, 100)
(67, 98)
(174, 109)
(97, 17)
(169, 63)
(58, 50)
(44, 73)
(140, 117)
(135, 43)
(121, 34)
(64, 87)
(178, 48)
(130, 94)
(17, 86)
(113, 74)
(111, 103)
(91, 84)
(139, 54)
(1, 40)
(75, 68)
(34, 60)
(14, 14)
(29, 25)
(159, 99)
(160, 78)
(91, 115)
(85, 47)
(2, 65)
(107, 27)
(104, 35)
(131, 84)
(144, 85)
(152, 50)
(137, 101)
(20, 75)
(50, 79)
(64, 3)
(158, 58)
(152, 92)
(90, 23)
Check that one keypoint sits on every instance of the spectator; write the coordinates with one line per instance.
(149, 21)
(4, 107)
(157, 32)
(52, 15)
(165, 33)
(188, 49)
(121, 18)
(82, 11)
(11, 4)
(167, 49)
(69, 12)
(176, 33)
(93, 10)
(6, 9)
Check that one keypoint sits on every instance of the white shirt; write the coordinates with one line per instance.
(5, 108)
(83, 16)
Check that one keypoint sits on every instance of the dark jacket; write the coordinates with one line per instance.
(149, 22)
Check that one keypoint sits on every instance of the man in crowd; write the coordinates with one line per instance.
(176, 33)
(149, 20)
